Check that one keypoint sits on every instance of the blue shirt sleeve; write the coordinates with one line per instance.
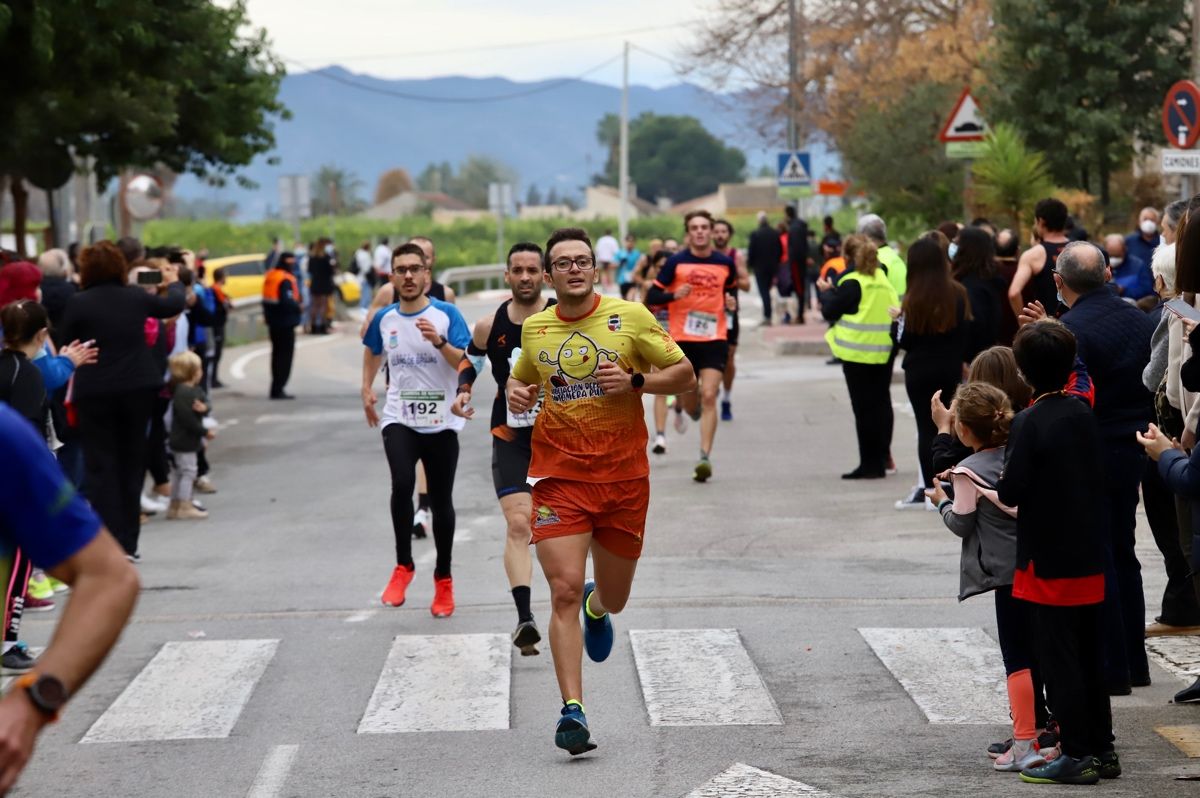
(459, 335)
(373, 340)
(56, 370)
(40, 511)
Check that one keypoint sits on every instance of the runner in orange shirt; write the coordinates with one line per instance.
(694, 284)
(588, 360)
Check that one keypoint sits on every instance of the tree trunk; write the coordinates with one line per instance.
(1104, 179)
(20, 197)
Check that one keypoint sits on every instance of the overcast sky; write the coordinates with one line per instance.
(409, 38)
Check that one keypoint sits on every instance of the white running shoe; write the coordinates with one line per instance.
(660, 444)
(423, 518)
(1023, 754)
(152, 504)
(681, 423)
(913, 501)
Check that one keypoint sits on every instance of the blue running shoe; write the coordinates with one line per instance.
(726, 410)
(597, 632)
(572, 733)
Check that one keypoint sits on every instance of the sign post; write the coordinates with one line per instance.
(963, 134)
(794, 175)
(1181, 126)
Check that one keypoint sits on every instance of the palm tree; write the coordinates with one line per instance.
(1010, 177)
(335, 191)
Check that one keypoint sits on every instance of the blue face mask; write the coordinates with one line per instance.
(953, 250)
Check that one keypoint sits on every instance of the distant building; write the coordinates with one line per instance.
(737, 199)
(546, 212)
(605, 202)
(411, 203)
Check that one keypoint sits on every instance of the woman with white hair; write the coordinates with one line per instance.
(57, 286)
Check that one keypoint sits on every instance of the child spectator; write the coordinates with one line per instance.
(189, 406)
(988, 528)
(1053, 469)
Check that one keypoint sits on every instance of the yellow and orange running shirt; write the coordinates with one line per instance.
(581, 433)
(699, 316)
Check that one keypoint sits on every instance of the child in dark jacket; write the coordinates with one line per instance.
(1052, 471)
(988, 528)
(189, 406)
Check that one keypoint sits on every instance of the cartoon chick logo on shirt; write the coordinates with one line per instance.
(577, 361)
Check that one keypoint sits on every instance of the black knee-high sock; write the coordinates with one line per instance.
(422, 501)
(521, 596)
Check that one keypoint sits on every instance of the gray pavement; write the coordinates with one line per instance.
(776, 547)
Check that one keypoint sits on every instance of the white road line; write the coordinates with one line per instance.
(238, 369)
(322, 417)
(1178, 656)
(189, 690)
(273, 774)
(460, 536)
(700, 677)
(953, 675)
(361, 615)
(442, 683)
(743, 780)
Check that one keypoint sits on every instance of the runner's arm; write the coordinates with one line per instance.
(382, 299)
(474, 358)
(372, 359)
(743, 274)
(451, 297)
(674, 379)
(1022, 277)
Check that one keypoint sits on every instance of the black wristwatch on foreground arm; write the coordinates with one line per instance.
(47, 694)
(638, 380)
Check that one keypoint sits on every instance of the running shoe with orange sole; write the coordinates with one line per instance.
(443, 597)
(393, 594)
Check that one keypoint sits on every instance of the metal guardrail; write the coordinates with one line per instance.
(489, 275)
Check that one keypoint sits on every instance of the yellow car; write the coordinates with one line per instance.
(244, 279)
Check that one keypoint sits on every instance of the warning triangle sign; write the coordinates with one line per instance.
(793, 169)
(965, 123)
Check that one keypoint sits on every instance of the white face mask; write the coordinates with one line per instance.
(953, 250)
(1149, 227)
(1115, 262)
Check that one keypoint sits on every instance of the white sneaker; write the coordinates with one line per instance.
(681, 423)
(152, 505)
(1023, 754)
(423, 518)
(913, 501)
(660, 444)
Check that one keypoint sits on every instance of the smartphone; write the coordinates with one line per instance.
(151, 277)
(1183, 310)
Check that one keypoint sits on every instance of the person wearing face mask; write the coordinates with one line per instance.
(1142, 242)
(1130, 274)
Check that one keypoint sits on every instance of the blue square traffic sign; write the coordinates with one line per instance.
(794, 169)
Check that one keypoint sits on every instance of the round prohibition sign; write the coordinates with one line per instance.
(1181, 115)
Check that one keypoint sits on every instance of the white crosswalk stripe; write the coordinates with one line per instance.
(743, 781)
(189, 690)
(953, 675)
(1178, 655)
(442, 683)
(700, 677)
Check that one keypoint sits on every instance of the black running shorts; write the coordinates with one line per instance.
(706, 354)
(510, 463)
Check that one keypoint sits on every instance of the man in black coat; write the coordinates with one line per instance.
(56, 288)
(1114, 343)
(763, 256)
(798, 258)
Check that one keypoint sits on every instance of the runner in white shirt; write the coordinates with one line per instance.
(383, 260)
(423, 340)
(606, 256)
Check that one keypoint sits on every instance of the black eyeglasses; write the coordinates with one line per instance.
(584, 263)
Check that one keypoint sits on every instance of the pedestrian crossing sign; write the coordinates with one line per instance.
(795, 169)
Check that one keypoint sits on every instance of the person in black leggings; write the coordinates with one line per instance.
(438, 452)
(933, 333)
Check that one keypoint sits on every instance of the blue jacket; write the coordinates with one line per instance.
(56, 369)
(1140, 248)
(1113, 339)
(1134, 277)
(1182, 475)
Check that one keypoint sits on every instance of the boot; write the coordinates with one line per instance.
(188, 512)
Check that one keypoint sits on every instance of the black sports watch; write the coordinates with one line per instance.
(47, 694)
(638, 380)
(441, 343)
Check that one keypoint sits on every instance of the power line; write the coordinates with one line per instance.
(453, 100)
(663, 58)
(512, 45)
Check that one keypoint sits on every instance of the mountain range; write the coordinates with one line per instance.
(545, 131)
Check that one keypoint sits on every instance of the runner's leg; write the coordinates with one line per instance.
(710, 384)
(401, 448)
(518, 562)
(614, 579)
(439, 454)
(563, 561)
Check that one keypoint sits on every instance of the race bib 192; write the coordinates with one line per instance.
(422, 408)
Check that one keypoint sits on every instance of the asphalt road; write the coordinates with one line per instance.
(823, 642)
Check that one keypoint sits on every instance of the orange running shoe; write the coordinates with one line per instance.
(393, 594)
(443, 597)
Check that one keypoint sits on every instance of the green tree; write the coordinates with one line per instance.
(474, 175)
(1010, 177)
(335, 192)
(533, 196)
(895, 156)
(1083, 79)
(672, 156)
(436, 177)
(187, 86)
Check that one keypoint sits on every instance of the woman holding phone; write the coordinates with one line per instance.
(114, 397)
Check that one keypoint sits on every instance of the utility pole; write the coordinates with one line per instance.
(623, 167)
(793, 133)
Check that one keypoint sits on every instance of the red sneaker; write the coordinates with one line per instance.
(443, 597)
(393, 594)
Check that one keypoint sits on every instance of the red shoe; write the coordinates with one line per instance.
(393, 594)
(443, 597)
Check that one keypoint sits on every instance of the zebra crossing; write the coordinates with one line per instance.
(198, 689)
